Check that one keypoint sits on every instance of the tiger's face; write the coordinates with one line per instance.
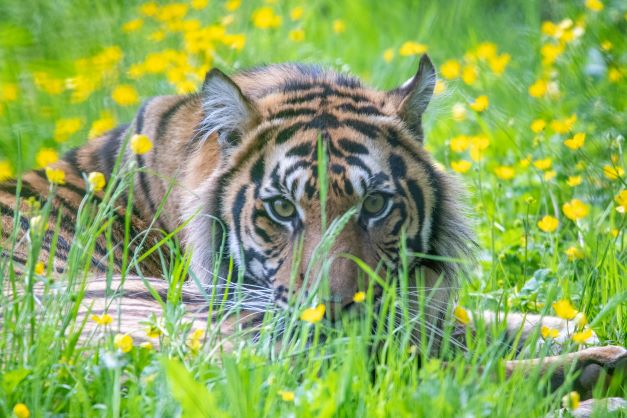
(379, 180)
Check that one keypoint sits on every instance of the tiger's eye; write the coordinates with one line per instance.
(283, 208)
(374, 204)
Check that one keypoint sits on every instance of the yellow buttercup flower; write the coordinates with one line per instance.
(550, 53)
(469, 74)
(172, 12)
(613, 173)
(287, 395)
(140, 144)
(21, 411)
(576, 141)
(564, 309)
(478, 144)
(498, 64)
(539, 88)
(460, 143)
(339, 26)
(149, 9)
(313, 315)
(64, 128)
(194, 340)
(505, 172)
(147, 345)
(524, 163)
(388, 55)
(573, 181)
(8, 92)
(49, 84)
(97, 181)
(548, 28)
(549, 175)
(486, 50)
(574, 253)
(614, 75)
(575, 209)
(296, 35)
(594, 5)
(104, 319)
(199, 4)
(105, 123)
(543, 164)
(461, 166)
(480, 104)
(359, 297)
(6, 170)
(621, 200)
(132, 25)
(55, 175)
(123, 342)
(461, 314)
(153, 331)
(583, 336)
(232, 5)
(40, 268)
(297, 13)
(562, 126)
(451, 69)
(549, 332)
(46, 157)
(538, 126)
(548, 223)
(265, 18)
(125, 95)
(410, 48)
(571, 401)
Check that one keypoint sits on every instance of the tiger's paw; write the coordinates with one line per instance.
(601, 365)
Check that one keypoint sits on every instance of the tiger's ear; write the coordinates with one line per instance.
(226, 111)
(413, 97)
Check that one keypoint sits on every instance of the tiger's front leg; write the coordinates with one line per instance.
(594, 365)
(585, 370)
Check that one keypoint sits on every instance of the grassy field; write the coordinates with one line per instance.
(530, 110)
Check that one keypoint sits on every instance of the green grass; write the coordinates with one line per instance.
(521, 268)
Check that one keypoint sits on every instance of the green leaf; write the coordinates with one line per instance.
(195, 399)
(11, 379)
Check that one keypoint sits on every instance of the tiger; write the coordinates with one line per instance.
(236, 171)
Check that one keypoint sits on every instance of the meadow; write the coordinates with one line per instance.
(530, 110)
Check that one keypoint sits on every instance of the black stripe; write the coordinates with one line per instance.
(238, 206)
(361, 110)
(25, 190)
(364, 128)
(358, 162)
(10, 212)
(292, 113)
(323, 121)
(352, 147)
(300, 150)
(108, 152)
(139, 119)
(287, 133)
(164, 120)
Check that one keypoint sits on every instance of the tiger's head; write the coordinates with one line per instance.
(269, 124)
